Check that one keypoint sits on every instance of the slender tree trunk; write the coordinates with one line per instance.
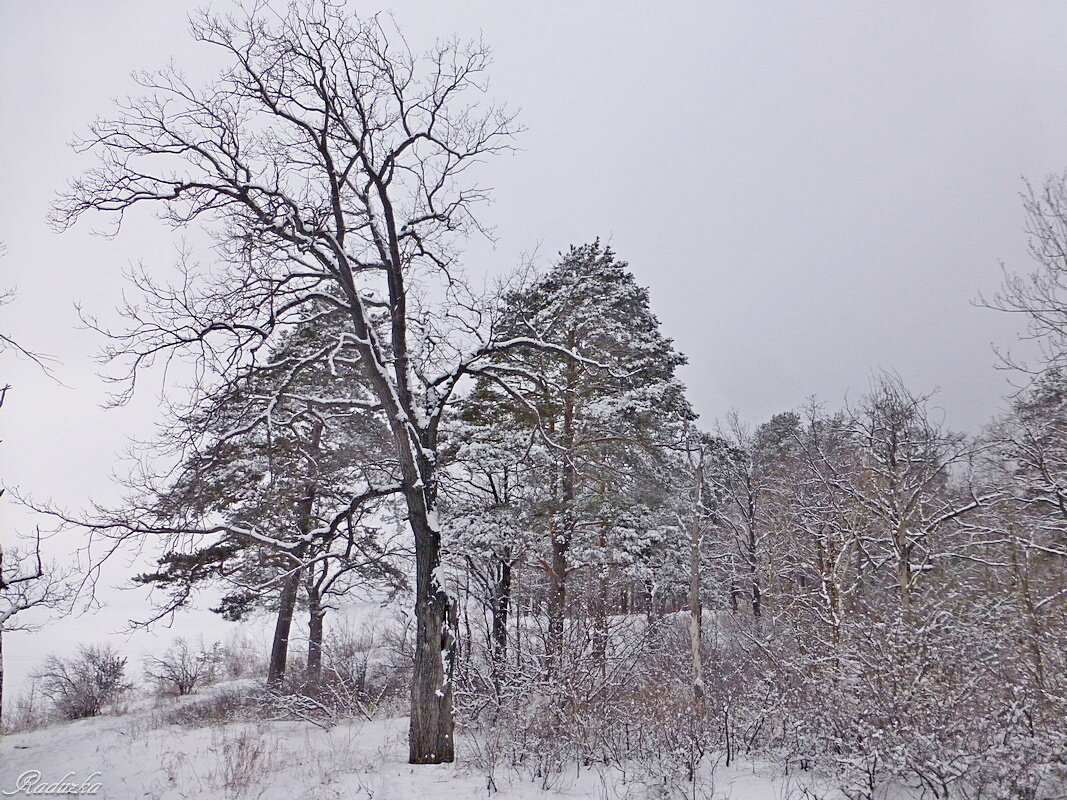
(696, 608)
(856, 595)
(501, 604)
(467, 639)
(753, 571)
(1, 679)
(561, 532)
(600, 631)
(316, 620)
(314, 667)
(518, 636)
(600, 611)
(557, 597)
(279, 651)
(904, 574)
(1033, 641)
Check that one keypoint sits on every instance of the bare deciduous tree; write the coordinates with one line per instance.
(900, 474)
(332, 166)
(26, 583)
(1040, 296)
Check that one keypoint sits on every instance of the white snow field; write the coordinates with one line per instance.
(139, 755)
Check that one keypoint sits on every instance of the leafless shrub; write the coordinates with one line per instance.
(222, 706)
(240, 657)
(630, 714)
(82, 686)
(182, 668)
(365, 668)
(245, 760)
(29, 712)
(324, 705)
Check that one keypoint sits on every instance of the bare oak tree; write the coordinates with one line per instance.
(332, 166)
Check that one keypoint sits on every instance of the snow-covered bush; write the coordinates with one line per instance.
(633, 713)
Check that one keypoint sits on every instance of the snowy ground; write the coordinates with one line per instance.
(138, 755)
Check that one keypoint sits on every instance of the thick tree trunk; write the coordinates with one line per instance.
(430, 736)
(431, 725)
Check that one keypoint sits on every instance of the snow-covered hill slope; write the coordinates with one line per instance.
(141, 755)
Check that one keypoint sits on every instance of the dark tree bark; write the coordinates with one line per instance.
(753, 570)
(501, 606)
(430, 739)
(291, 586)
(361, 192)
(557, 597)
(316, 624)
(600, 612)
(696, 608)
(279, 651)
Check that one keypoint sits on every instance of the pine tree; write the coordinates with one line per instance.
(294, 454)
(596, 417)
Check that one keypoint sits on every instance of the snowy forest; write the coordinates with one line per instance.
(580, 587)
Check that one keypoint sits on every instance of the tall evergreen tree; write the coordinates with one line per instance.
(599, 413)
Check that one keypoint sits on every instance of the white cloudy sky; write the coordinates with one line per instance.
(811, 190)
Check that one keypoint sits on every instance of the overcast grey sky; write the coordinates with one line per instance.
(811, 191)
